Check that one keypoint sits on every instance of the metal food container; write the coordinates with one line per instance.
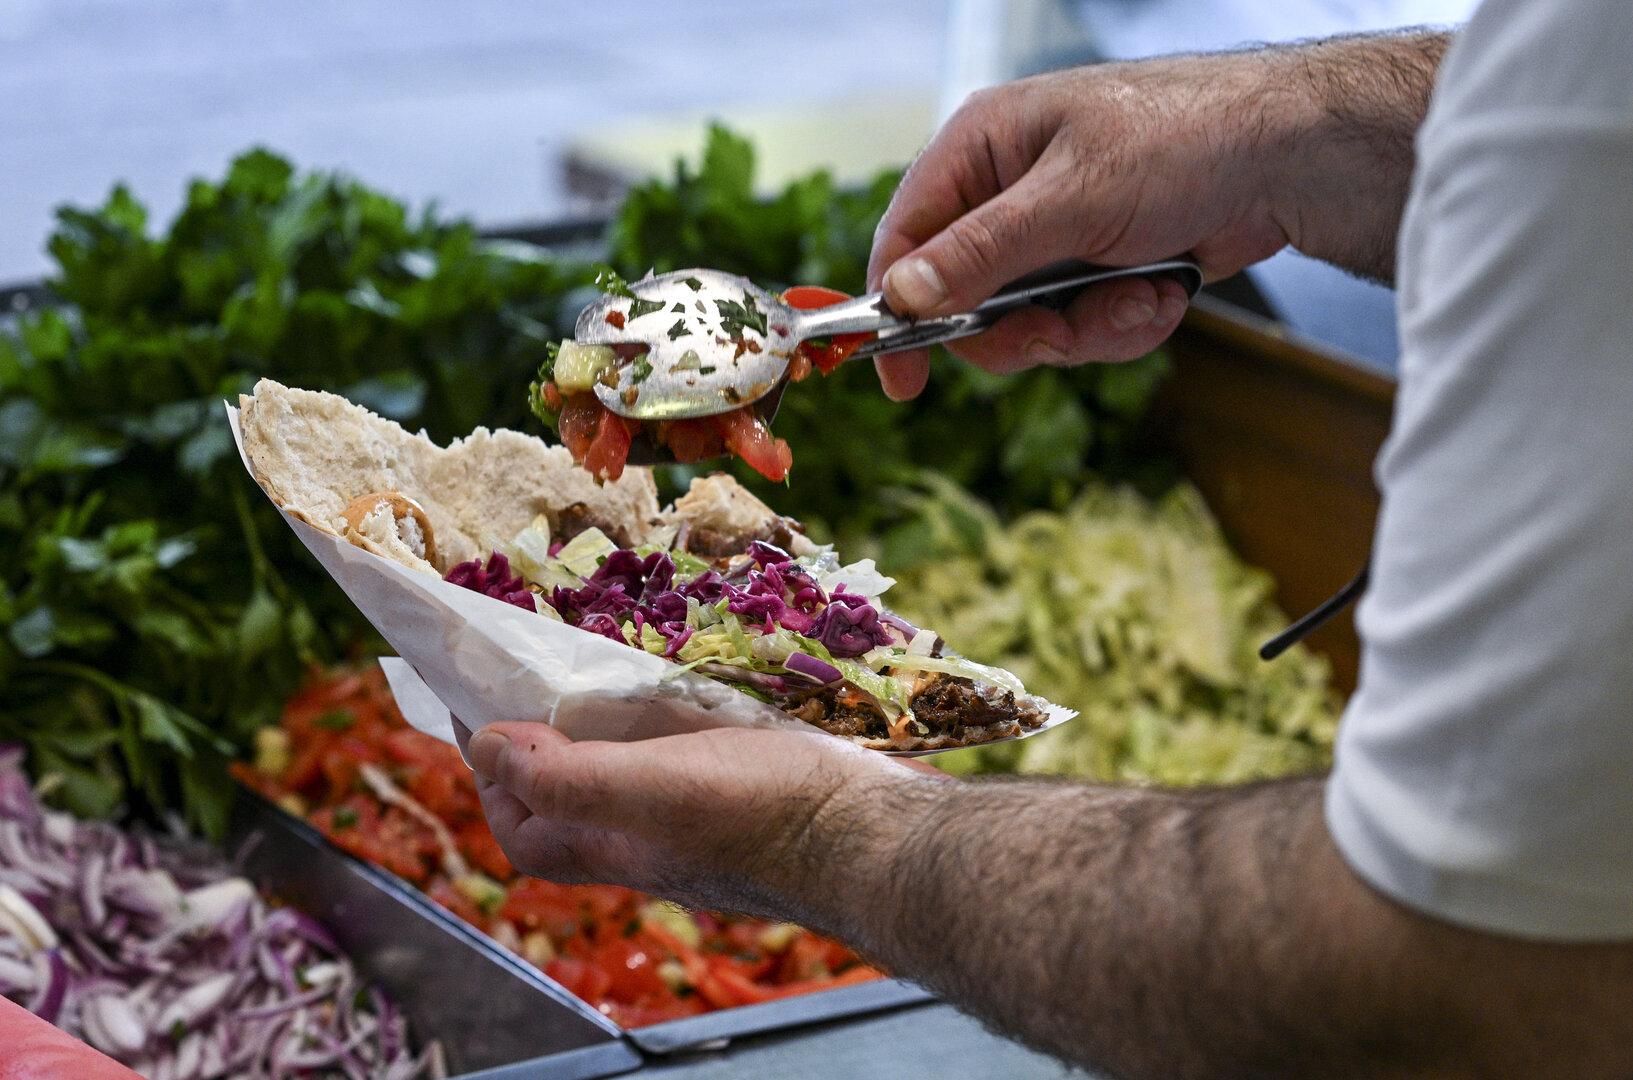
(497, 1016)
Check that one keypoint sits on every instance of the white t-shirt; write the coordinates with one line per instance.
(1485, 767)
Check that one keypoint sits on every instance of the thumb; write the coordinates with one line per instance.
(1022, 228)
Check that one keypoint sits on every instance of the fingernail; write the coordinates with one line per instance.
(916, 283)
(1042, 353)
(486, 746)
(1172, 308)
(1131, 314)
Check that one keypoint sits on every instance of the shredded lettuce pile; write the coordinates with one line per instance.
(1135, 613)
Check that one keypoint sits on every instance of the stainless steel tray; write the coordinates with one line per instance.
(713, 1030)
(498, 1016)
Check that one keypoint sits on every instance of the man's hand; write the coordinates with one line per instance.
(1227, 157)
(735, 819)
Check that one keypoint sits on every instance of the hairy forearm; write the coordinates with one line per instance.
(1170, 934)
(1129, 929)
(1337, 121)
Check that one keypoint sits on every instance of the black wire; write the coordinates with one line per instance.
(1330, 607)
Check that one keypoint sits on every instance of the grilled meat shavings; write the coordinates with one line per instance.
(952, 710)
(578, 517)
(711, 543)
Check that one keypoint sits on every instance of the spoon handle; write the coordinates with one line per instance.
(1054, 286)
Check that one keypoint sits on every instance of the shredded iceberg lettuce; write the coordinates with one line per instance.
(861, 576)
(949, 665)
(1135, 613)
(584, 552)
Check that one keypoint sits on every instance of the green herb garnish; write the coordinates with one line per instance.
(643, 368)
(736, 318)
(679, 330)
(706, 369)
(608, 281)
(692, 283)
(639, 307)
(681, 308)
(344, 817)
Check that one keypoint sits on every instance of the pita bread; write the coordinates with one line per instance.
(316, 453)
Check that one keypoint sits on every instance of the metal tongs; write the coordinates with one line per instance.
(703, 342)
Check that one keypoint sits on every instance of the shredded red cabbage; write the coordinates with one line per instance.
(772, 591)
(849, 626)
(494, 580)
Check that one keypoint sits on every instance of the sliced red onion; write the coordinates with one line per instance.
(196, 1002)
(820, 670)
(92, 955)
(308, 928)
(284, 1005)
(54, 973)
(189, 1056)
(15, 853)
(760, 680)
(387, 1014)
(91, 903)
(214, 1058)
(148, 948)
(217, 906)
(15, 976)
(59, 827)
(16, 796)
(145, 892)
(19, 915)
(112, 1024)
(274, 969)
(909, 631)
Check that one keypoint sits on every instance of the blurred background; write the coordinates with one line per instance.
(513, 113)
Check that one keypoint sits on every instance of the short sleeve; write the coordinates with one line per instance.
(1484, 770)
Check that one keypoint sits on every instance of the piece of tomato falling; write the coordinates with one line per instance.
(577, 424)
(746, 435)
(610, 448)
(823, 355)
(596, 437)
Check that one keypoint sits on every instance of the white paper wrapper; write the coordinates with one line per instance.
(480, 659)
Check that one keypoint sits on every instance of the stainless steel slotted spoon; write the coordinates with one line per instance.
(702, 342)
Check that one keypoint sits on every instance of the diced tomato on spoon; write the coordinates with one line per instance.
(579, 422)
(824, 355)
(692, 440)
(600, 440)
(610, 448)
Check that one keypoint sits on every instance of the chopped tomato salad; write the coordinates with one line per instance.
(344, 759)
(600, 440)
